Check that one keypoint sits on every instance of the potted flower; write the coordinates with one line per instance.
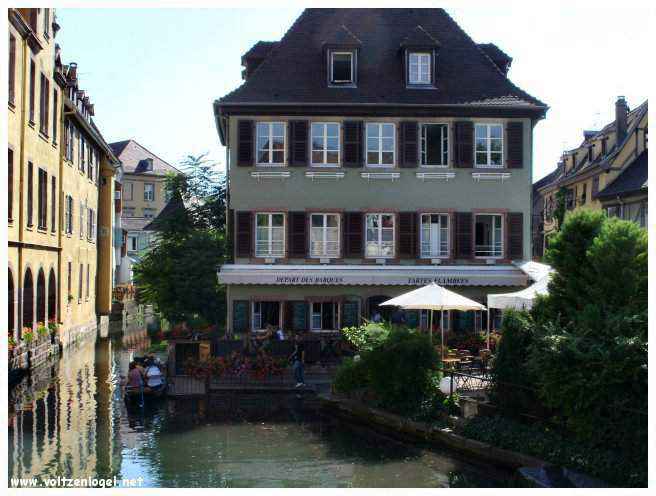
(41, 330)
(27, 335)
(12, 344)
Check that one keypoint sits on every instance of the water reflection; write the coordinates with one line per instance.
(69, 420)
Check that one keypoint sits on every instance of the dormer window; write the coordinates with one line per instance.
(342, 68)
(419, 68)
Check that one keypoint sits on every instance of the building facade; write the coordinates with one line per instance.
(56, 159)
(368, 158)
(143, 196)
(607, 170)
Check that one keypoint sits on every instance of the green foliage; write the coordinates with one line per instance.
(561, 207)
(558, 448)
(401, 370)
(178, 275)
(367, 336)
(510, 371)
(351, 375)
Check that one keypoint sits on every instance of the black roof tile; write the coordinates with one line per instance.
(633, 179)
(295, 71)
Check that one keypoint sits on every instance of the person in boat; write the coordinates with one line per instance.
(135, 377)
(153, 375)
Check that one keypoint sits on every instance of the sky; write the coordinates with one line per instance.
(154, 73)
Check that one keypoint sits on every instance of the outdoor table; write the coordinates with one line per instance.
(450, 362)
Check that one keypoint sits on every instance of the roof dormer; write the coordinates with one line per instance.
(341, 53)
(419, 49)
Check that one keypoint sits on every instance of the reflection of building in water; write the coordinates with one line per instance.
(67, 427)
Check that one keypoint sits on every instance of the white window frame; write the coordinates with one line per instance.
(380, 150)
(336, 320)
(332, 68)
(423, 59)
(444, 144)
(324, 150)
(151, 197)
(488, 150)
(270, 125)
(257, 316)
(324, 236)
(269, 241)
(440, 254)
(131, 237)
(501, 216)
(379, 235)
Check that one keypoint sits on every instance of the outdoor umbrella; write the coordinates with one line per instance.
(434, 297)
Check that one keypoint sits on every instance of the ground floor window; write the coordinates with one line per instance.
(325, 316)
(635, 212)
(489, 235)
(266, 313)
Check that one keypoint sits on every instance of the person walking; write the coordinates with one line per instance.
(298, 359)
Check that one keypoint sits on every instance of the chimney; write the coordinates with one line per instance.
(621, 113)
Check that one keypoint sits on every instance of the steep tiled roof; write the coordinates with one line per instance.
(260, 50)
(134, 223)
(633, 179)
(295, 71)
(133, 157)
(494, 52)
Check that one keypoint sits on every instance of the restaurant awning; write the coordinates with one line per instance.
(520, 300)
(376, 275)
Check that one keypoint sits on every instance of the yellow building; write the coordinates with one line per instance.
(604, 156)
(57, 162)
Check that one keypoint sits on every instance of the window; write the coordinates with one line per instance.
(419, 68)
(128, 211)
(69, 140)
(91, 224)
(380, 236)
(270, 143)
(82, 208)
(149, 192)
(30, 193)
(489, 145)
(12, 68)
(133, 242)
(325, 143)
(584, 193)
(53, 202)
(127, 190)
(149, 213)
(88, 280)
(10, 181)
(32, 89)
(489, 236)
(434, 145)
(82, 154)
(55, 118)
(325, 316)
(70, 278)
(90, 163)
(381, 144)
(44, 102)
(324, 235)
(79, 287)
(341, 67)
(434, 235)
(266, 313)
(270, 235)
(68, 215)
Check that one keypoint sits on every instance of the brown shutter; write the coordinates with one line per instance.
(353, 228)
(408, 234)
(298, 143)
(245, 145)
(297, 234)
(515, 238)
(464, 144)
(595, 186)
(463, 235)
(244, 234)
(515, 144)
(353, 143)
(409, 144)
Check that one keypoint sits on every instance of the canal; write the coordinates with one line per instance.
(69, 420)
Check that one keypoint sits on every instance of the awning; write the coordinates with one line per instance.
(368, 275)
(520, 300)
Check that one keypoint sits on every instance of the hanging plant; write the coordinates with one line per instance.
(42, 330)
(53, 327)
(28, 335)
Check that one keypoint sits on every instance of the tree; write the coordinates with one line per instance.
(178, 275)
(561, 207)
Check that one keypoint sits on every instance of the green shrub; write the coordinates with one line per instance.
(351, 375)
(401, 371)
(368, 336)
(558, 448)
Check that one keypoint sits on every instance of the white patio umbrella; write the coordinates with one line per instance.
(434, 297)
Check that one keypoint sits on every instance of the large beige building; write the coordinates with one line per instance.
(599, 172)
(58, 166)
(143, 191)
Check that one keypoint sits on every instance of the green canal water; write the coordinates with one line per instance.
(69, 420)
